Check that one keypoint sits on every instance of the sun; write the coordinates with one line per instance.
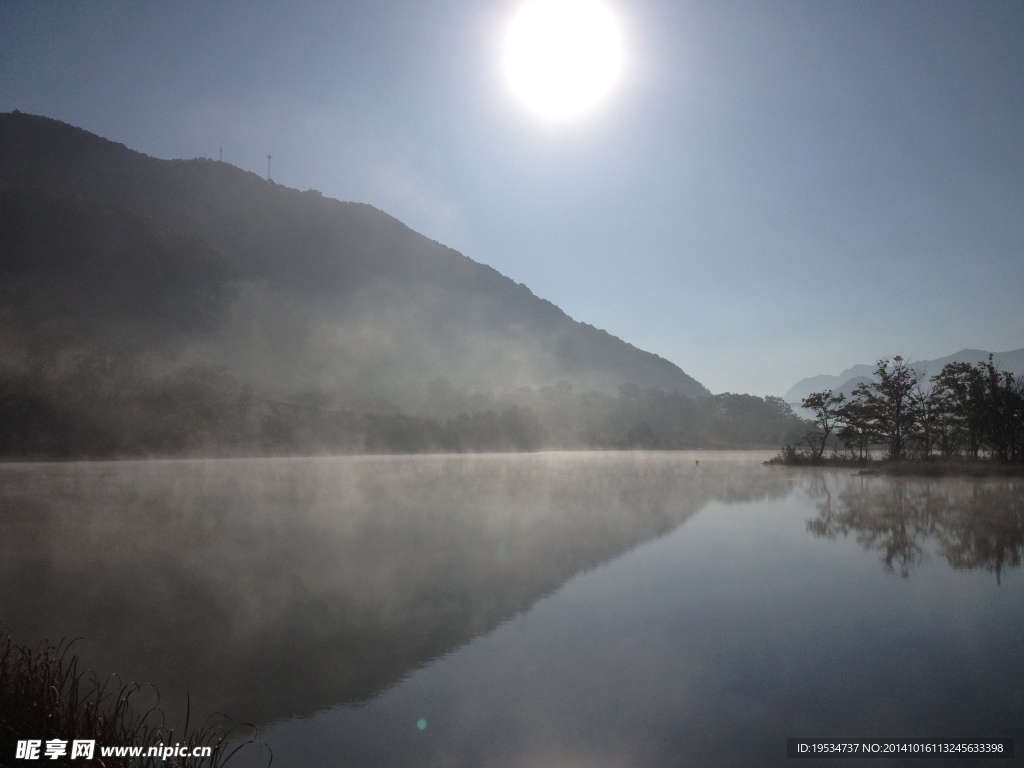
(563, 57)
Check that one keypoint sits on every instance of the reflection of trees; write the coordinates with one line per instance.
(975, 525)
(890, 517)
(985, 530)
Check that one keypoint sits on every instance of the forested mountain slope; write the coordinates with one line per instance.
(300, 296)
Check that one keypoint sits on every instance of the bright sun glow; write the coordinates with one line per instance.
(562, 57)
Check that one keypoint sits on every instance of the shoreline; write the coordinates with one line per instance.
(910, 467)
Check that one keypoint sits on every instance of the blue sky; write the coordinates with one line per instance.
(774, 190)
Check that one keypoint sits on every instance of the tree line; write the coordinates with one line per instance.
(966, 411)
(96, 403)
(104, 404)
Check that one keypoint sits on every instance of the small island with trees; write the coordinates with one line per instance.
(968, 419)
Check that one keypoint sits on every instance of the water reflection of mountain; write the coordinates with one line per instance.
(973, 524)
(273, 588)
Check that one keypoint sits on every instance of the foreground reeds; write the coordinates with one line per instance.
(45, 695)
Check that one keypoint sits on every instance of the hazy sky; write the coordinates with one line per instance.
(774, 190)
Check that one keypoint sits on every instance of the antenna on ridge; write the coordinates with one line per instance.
(222, 154)
(268, 167)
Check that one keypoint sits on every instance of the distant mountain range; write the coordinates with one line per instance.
(303, 297)
(846, 381)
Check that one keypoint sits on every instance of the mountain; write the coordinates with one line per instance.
(846, 381)
(301, 296)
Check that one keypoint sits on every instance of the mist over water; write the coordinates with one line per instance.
(690, 608)
(269, 588)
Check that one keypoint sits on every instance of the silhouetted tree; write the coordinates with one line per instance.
(980, 406)
(1000, 412)
(892, 403)
(960, 390)
(827, 414)
(856, 428)
(929, 420)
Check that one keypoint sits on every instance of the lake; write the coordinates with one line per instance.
(551, 609)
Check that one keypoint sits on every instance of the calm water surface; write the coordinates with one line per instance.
(538, 610)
